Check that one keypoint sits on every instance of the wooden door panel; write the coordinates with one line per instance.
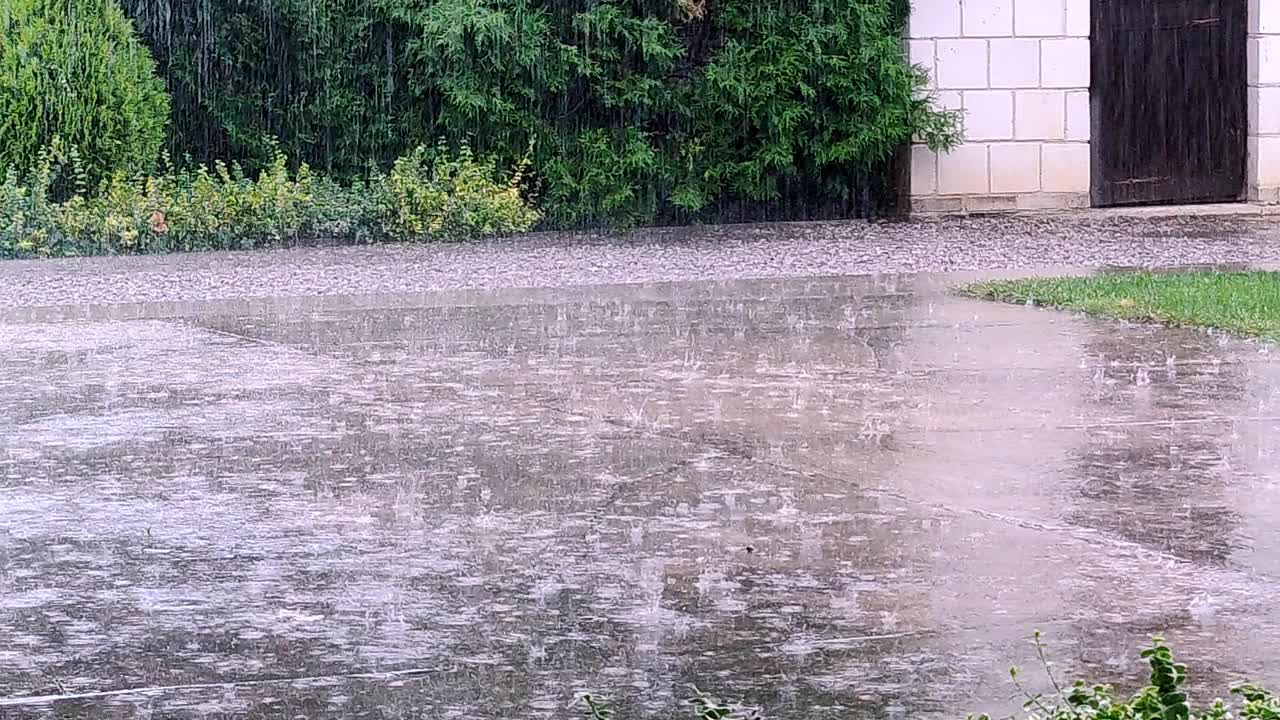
(1169, 96)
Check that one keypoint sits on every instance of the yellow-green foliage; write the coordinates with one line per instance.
(449, 198)
(74, 69)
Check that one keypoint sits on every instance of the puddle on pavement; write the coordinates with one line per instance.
(823, 497)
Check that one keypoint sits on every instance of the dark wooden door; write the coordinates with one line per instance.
(1169, 95)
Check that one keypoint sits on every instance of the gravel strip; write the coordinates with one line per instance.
(682, 254)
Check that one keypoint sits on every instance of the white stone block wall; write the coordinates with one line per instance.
(1019, 72)
(1264, 101)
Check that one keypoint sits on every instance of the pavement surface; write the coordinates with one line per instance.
(471, 481)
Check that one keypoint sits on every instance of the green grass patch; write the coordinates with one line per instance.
(1242, 303)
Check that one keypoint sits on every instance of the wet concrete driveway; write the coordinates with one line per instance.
(828, 497)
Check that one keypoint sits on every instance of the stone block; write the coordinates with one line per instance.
(1264, 162)
(1015, 168)
(988, 115)
(937, 205)
(1265, 196)
(944, 100)
(1053, 201)
(1264, 111)
(1040, 115)
(1079, 121)
(987, 18)
(1264, 60)
(920, 52)
(1064, 167)
(1078, 18)
(1064, 63)
(981, 204)
(949, 99)
(1264, 17)
(935, 19)
(1040, 18)
(1015, 63)
(924, 170)
(963, 171)
(962, 64)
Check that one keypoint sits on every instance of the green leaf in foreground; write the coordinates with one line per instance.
(1163, 699)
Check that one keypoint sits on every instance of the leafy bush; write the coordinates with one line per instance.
(635, 110)
(447, 198)
(638, 110)
(74, 69)
(442, 198)
(1163, 699)
(800, 90)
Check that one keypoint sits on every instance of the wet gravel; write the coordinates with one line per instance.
(681, 254)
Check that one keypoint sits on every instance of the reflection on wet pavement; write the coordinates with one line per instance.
(820, 496)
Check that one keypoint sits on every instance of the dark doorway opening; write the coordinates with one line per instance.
(1170, 102)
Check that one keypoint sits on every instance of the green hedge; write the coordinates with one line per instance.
(427, 195)
(630, 111)
(73, 69)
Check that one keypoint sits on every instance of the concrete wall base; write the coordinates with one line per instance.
(934, 205)
(1264, 195)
